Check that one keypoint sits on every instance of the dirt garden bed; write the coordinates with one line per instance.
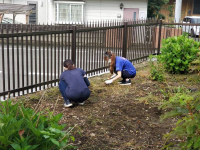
(118, 117)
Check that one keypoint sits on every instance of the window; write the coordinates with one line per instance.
(196, 9)
(33, 15)
(68, 12)
(134, 16)
(195, 20)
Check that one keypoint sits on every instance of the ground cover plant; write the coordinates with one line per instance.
(180, 55)
(121, 117)
(24, 128)
(185, 105)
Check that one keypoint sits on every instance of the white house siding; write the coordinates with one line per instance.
(5, 1)
(109, 9)
(52, 12)
(42, 8)
(93, 9)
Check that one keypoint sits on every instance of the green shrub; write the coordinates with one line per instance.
(186, 107)
(177, 53)
(23, 129)
(156, 68)
(195, 64)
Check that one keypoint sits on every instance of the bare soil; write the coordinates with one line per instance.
(117, 117)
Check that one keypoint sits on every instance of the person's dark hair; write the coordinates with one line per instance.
(108, 55)
(69, 64)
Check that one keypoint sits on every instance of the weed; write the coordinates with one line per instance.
(180, 89)
(186, 106)
(149, 98)
(156, 69)
(52, 92)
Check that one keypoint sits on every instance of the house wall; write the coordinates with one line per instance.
(93, 9)
(186, 10)
(41, 10)
(190, 8)
(109, 9)
(5, 1)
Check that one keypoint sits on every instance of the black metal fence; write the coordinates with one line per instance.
(168, 29)
(31, 56)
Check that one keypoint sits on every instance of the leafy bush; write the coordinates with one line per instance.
(23, 129)
(177, 53)
(195, 64)
(156, 68)
(186, 107)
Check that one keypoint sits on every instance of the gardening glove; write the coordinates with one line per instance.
(108, 81)
(114, 75)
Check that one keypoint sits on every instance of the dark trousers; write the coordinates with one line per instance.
(125, 74)
(63, 86)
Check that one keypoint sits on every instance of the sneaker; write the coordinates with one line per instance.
(67, 104)
(82, 103)
(126, 82)
(121, 81)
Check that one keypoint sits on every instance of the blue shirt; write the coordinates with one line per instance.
(122, 63)
(76, 86)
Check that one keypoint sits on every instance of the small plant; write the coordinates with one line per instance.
(180, 89)
(25, 129)
(195, 64)
(156, 68)
(177, 53)
(186, 107)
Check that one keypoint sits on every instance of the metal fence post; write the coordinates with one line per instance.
(74, 44)
(124, 49)
(159, 36)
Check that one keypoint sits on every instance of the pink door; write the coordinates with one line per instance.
(131, 14)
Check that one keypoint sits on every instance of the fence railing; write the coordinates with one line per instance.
(24, 28)
(31, 59)
(191, 30)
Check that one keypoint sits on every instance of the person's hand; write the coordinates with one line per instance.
(108, 81)
(111, 77)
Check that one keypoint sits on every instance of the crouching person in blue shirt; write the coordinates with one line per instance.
(122, 68)
(73, 84)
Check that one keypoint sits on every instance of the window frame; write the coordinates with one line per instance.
(56, 4)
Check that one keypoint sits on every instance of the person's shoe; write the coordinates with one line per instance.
(126, 82)
(82, 103)
(67, 104)
(121, 81)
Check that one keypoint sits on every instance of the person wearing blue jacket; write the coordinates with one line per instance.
(122, 68)
(73, 84)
